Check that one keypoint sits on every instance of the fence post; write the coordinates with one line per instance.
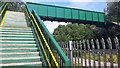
(71, 53)
(116, 40)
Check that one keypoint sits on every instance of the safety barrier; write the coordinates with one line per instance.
(52, 53)
(93, 53)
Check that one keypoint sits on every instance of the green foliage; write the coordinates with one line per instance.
(1, 3)
(75, 32)
(114, 57)
(113, 13)
(16, 6)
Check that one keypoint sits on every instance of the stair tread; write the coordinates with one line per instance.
(14, 51)
(13, 35)
(21, 60)
(15, 38)
(16, 32)
(17, 44)
(20, 53)
(14, 28)
(17, 48)
(19, 39)
(25, 63)
(1, 58)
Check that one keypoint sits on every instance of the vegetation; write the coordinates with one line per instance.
(78, 32)
(114, 57)
(72, 32)
(113, 13)
(16, 6)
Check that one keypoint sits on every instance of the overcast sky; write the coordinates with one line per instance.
(94, 5)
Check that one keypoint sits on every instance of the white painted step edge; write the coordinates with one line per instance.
(16, 64)
(17, 30)
(15, 41)
(17, 48)
(20, 58)
(15, 38)
(15, 33)
(20, 53)
(17, 45)
(13, 28)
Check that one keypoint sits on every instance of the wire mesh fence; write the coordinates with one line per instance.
(93, 53)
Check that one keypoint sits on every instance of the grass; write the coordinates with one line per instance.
(108, 59)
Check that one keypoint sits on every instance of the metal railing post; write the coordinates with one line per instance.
(71, 53)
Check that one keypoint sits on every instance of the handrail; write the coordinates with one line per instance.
(38, 22)
(45, 41)
(53, 40)
(41, 43)
(29, 16)
(3, 9)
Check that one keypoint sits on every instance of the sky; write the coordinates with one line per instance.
(94, 5)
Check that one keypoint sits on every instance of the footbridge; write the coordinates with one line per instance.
(25, 40)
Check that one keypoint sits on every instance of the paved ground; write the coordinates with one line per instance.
(15, 19)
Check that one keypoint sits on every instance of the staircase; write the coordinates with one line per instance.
(18, 47)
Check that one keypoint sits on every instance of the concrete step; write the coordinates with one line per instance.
(21, 60)
(23, 65)
(19, 50)
(17, 39)
(20, 53)
(18, 36)
(24, 33)
(3, 28)
(14, 28)
(27, 31)
(14, 33)
(18, 46)
(17, 42)
(14, 55)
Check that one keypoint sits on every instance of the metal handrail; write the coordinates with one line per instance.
(2, 12)
(3, 6)
(60, 51)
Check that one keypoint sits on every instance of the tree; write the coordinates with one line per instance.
(16, 6)
(74, 32)
(113, 14)
(113, 11)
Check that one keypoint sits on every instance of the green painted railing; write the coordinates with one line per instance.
(3, 9)
(51, 52)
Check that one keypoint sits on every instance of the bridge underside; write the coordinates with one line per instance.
(98, 24)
